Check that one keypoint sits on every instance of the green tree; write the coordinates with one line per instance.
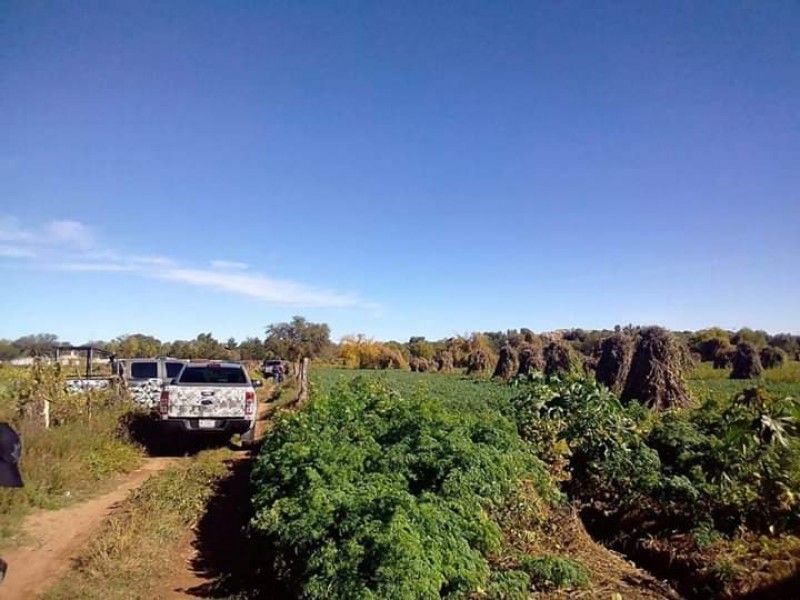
(297, 339)
(707, 342)
(252, 348)
(787, 342)
(758, 338)
(419, 347)
(7, 350)
(36, 344)
(137, 345)
(206, 346)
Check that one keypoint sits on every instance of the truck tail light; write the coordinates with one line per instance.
(249, 403)
(164, 404)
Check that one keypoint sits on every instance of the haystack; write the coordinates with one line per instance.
(557, 358)
(746, 362)
(419, 365)
(616, 352)
(444, 361)
(505, 363)
(655, 377)
(723, 357)
(530, 358)
(772, 357)
(477, 362)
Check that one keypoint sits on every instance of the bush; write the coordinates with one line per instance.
(511, 584)
(730, 464)
(367, 494)
(555, 571)
(609, 461)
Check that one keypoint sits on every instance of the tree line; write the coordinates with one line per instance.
(301, 338)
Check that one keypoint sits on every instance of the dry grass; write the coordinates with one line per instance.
(532, 527)
(136, 548)
(65, 464)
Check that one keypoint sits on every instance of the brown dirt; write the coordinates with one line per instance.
(531, 527)
(56, 537)
(213, 558)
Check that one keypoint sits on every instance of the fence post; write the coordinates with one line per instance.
(302, 378)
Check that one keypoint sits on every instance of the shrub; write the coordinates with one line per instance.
(510, 584)
(368, 494)
(609, 461)
(555, 571)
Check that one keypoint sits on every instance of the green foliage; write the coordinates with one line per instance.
(419, 347)
(297, 339)
(707, 342)
(367, 493)
(609, 460)
(730, 464)
(511, 584)
(757, 338)
(555, 571)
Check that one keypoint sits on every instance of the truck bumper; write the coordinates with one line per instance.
(199, 426)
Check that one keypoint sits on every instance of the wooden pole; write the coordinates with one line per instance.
(302, 379)
(89, 360)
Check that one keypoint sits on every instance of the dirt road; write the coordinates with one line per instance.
(57, 536)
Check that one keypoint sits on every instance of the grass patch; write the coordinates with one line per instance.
(65, 464)
(135, 548)
(706, 383)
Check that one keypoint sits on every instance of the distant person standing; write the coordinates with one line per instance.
(10, 451)
(278, 372)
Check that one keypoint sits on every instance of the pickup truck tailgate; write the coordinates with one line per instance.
(206, 402)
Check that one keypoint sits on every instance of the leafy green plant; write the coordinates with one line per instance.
(555, 571)
(369, 494)
(510, 584)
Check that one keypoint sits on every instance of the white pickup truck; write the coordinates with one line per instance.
(210, 396)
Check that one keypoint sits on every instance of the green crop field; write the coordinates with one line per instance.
(705, 382)
(713, 486)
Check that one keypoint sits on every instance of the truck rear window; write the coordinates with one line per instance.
(212, 375)
(144, 370)
(173, 368)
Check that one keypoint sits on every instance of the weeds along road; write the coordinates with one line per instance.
(56, 537)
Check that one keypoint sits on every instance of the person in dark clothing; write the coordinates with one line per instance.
(10, 450)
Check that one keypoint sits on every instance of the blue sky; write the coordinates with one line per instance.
(397, 168)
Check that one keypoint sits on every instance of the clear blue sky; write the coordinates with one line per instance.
(398, 168)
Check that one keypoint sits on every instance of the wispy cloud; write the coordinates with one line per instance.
(229, 265)
(61, 233)
(16, 252)
(274, 291)
(72, 233)
(74, 247)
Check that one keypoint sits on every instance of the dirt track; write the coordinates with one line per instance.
(57, 536)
